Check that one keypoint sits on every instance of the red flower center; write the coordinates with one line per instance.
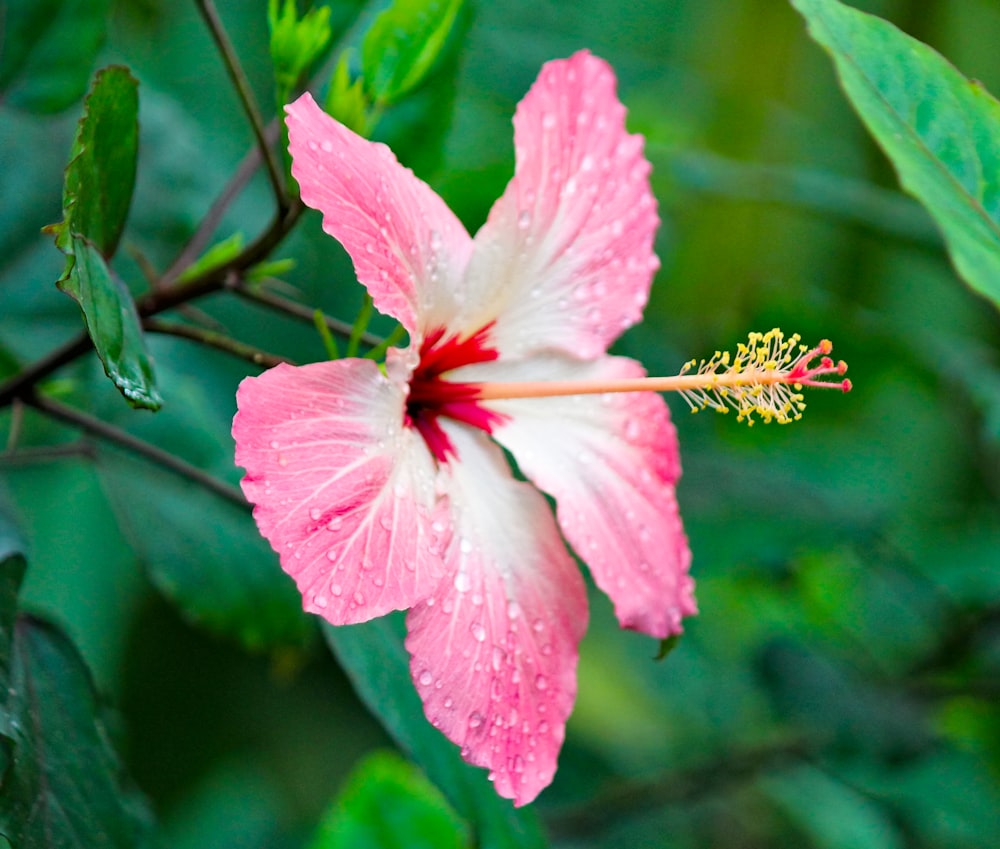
(431, 397)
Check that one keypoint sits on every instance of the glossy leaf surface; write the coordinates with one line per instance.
(941, 130)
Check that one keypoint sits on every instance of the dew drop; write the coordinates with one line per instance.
(478, 631)
(462, 582)
(336, 589)
(543, 726)
(426, 678)
(359, 598)
(524, 219)
(465, 545)
(275, 443)
(546, 649)
(541, 682)
(334, 523)
(497, 658)
(327, 146)
(320, 601)
(538, 626)
(475, 720)
(513, 609)
(548, 121)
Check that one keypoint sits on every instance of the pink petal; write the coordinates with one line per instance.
(566, 258)
(343, 491)
(611, 462)
(409, 249)
(494, 649)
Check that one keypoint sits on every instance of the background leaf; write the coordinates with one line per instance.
(388, 803)
(374, 658)
(941, 130)
(64, 787)
(212, 565)
(47, 51)
(402, 45)
(61, 783)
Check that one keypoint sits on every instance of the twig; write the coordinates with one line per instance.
(297, 310)
(239, 78)
(212, 339)
(21, 383)
(199, 241)
(109, 433)
(636, 797)
(41, 453)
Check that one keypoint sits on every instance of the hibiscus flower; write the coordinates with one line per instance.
(388, 490)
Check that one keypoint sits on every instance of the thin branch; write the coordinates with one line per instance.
(22, 382)
(199, 241)
(239, 78)
(297, 310)
(45, 453)
(123, 439)
(212, 339)
(635, 797)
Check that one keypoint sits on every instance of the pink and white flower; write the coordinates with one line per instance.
(386, 491)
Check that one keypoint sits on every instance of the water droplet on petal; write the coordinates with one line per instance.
(475, 719)
(327, 146)
(462, 582)
(541, 682)
(426, 678)
(336, 589)
(334, 523)
(320, 601)
(359, 598)
(478, 631)
(513, 609)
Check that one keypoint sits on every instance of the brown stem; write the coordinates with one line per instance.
(124, 439)
(297, 310)
(199, 241)
(239, 78)
(212, 339)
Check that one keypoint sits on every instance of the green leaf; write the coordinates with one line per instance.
(374, 658)
(941, 130)
(101, 172)
(205, 555)
(47, 50)
(96, 197)
(346, 100)
(63, 787)
(402, 45)
(389, 803)
(832, 814)
(217, 255)
(61, 784)
(295, 43)
(12, 567)
(112, 322)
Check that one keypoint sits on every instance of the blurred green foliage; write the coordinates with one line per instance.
(839, 688)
